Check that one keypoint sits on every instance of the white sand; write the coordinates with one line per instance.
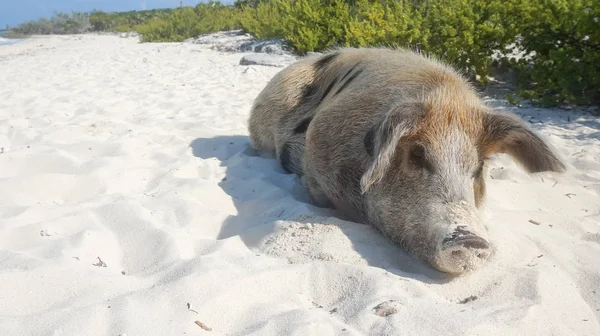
(138, 154)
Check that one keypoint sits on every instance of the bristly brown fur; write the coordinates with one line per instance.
(397, 139)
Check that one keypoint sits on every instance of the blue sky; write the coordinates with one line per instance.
(13, 12)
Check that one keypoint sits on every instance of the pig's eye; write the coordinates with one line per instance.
(418, 157)
(369, 141)
(478, 172)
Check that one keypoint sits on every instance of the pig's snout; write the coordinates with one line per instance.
(462, 251)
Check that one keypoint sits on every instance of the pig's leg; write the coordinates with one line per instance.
(316, 194)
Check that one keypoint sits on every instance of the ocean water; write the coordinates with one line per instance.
(5, 41)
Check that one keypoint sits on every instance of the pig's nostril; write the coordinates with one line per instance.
(463, 251)
(472, 242)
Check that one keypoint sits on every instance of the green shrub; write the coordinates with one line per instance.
(214, 16)
(124, 21)
(383, 23)
(59, 23)
(100, 21)
(124, 28)
(176, 27)
(314, 25)
(562, 38)
(263, 19)
(466, 33)
(187, 22)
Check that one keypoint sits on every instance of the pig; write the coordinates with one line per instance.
(398, 140)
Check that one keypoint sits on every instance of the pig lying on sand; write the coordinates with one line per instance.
(397, 140)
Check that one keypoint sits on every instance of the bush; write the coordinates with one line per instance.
(382, 23)
(59, 23)
(214, 16)
(78, 23)
(464, 32)
(262, 19)
(187, 22)
(562, 40)
(467, 33)
(124, 21)
(176, 27)
(560, 37)
(314, 25)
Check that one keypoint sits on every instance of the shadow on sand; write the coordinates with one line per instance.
(263, 193)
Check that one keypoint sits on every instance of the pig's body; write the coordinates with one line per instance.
(396, 140)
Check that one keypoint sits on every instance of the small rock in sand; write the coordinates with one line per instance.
(386, 308)
(267, 60)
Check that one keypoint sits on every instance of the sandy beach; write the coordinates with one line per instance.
(132, 204)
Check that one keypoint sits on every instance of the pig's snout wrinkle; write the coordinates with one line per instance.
(462, 251)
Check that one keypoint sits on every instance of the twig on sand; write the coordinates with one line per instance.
(469, 299)
(581, 151)
(202, 325)
(533, 263)
(554, 185)
(100, 263)
(152, 194)
(570, 194)
(189, 307)
(534, 222)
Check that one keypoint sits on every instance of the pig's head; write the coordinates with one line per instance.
(425, 182)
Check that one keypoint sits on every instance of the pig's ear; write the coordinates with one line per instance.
(505, 133)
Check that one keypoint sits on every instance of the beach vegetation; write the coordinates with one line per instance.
(59, 23)
(553, 46)
(188, 22)
(561, 42)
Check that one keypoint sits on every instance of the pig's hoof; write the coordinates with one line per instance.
(462, 253)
